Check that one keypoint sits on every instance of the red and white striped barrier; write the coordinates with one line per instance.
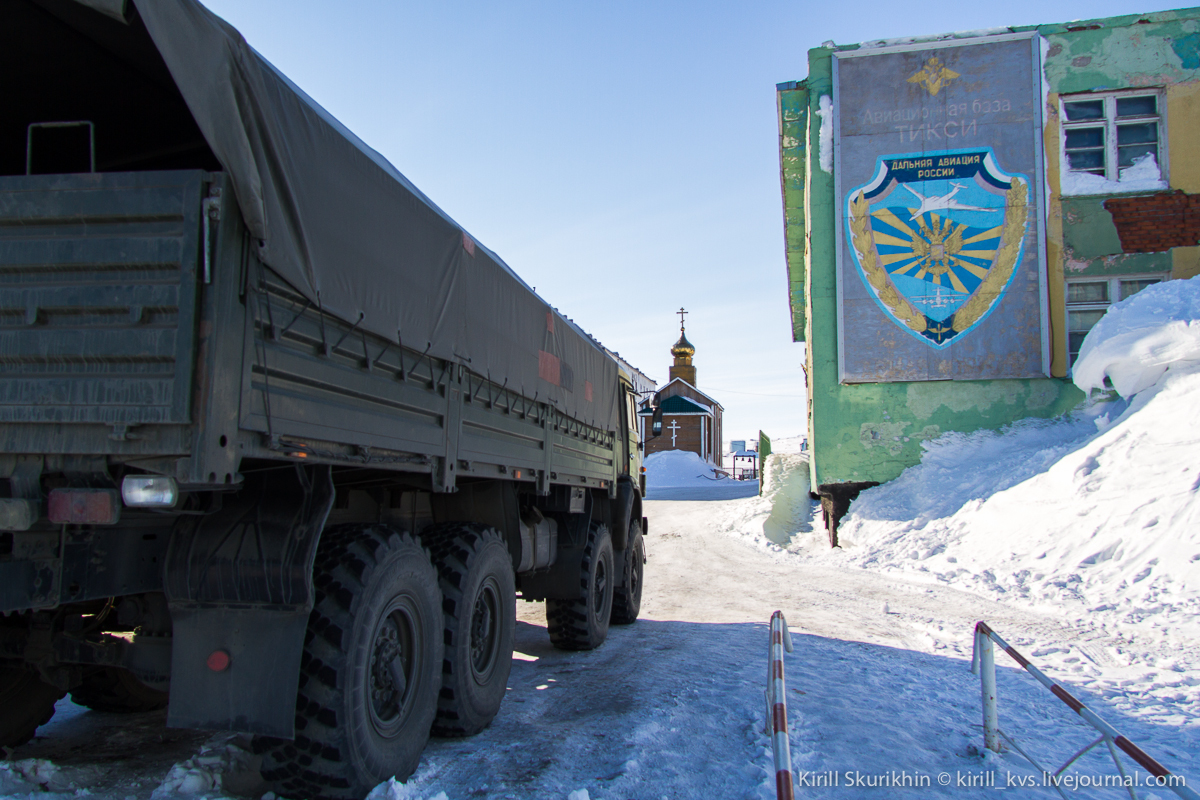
(777, 727)
(983, 658)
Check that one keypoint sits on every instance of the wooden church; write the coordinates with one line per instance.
(691, 419)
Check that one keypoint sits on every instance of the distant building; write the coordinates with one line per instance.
(691, 419)
(643, 384)
(960, 209)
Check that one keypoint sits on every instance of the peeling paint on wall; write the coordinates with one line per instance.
(929, 432)
(926, 398)
(1188, 49)
(793, 121)
(888, 435)
(1125, 56)
(1120, 264)
(1088, 229)
(1041, 395)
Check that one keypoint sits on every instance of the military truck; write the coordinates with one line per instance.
(280, 442)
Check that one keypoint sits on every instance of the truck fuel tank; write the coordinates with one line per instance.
(539, 541)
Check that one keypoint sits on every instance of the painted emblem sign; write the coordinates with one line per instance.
(938, 175)
(936, 236)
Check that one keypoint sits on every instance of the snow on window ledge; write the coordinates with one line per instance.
(1143, 176)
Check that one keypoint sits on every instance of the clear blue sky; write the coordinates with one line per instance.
(622, 157)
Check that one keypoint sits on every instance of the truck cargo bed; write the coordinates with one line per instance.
(112, 343)
(97, 306)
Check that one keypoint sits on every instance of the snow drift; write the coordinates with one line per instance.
(1095, 514)
(683, 475)
(784, 508)
(678, 468)
(1138, 339)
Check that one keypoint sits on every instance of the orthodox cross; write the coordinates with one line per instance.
(681, 312)
(673, 428)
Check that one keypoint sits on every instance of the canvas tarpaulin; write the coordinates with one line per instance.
(353, 235)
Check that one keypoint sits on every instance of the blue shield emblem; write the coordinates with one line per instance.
(937, 237)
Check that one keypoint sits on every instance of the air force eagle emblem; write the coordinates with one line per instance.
(937, 238)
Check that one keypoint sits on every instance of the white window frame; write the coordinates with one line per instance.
(1112, 168)
(1114, 296)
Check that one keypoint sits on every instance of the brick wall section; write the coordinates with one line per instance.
(687, 436)
(1154, 223)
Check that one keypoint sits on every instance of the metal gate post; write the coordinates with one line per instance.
(987, 685)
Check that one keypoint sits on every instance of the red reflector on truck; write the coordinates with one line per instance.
(218, 661)
(85, 506)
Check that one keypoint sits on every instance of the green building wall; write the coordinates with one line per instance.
(872, 432)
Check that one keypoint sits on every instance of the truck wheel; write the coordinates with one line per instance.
(480, 614)
(371, 668)
(627, 598)
(28, 703)
(116, 690)
(583, 624)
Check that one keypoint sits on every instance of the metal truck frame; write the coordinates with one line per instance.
(218, 496)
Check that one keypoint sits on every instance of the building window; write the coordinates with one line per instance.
(1089, 298)
(1106, 134)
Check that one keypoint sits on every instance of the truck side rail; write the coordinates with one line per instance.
(315, 386)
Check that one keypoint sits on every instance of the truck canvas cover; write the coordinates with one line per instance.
(352, 234)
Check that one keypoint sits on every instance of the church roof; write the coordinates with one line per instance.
(707, 397)
(678, 404)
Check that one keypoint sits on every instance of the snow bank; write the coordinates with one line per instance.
(785, 507)
(1137, 339)
(958, 469)
(678, 468)
(681, 475)
(788, 444)
(1094, 516)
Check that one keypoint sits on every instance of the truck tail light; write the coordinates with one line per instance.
(84, 506)
(149, 491)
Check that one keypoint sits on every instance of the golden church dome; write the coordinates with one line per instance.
(683, 348)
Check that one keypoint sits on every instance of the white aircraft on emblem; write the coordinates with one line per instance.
(943, 202)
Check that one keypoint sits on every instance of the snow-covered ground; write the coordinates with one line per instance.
(672, 706)
(1093, 518)
(1077, 540)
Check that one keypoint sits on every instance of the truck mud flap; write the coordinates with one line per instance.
(239, 586)
(236, 669)
(627, 507)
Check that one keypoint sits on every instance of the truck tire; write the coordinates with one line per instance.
(627, 598)
(582, 624)
(118, 691)
(479, 604)
(371, 668)
(28, 703)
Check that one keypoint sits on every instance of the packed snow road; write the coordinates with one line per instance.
(672, 706)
